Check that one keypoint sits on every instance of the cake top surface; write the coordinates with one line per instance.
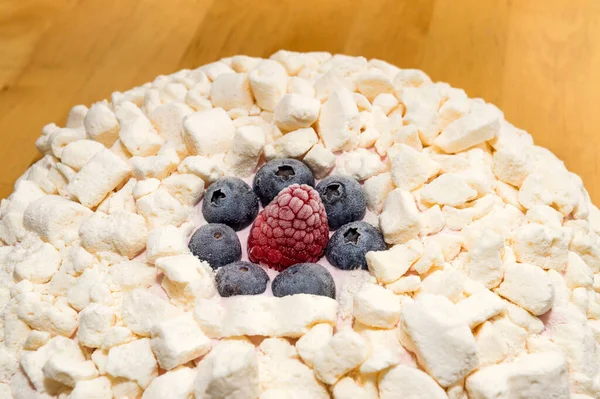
(304, 226)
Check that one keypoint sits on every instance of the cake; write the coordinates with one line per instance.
(303, 226)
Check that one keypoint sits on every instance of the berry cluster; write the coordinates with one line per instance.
(289, 235)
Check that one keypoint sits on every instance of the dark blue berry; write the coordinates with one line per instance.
(217, 244)
(343, 198)
(241, 278)
(348, 246)
(230, 201)
(304, 278)
(276, 175)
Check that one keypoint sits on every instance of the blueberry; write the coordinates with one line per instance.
(344, 200)
(241, 278)
(217, 244)
(348, 246)
(230, 201)
(276, 175)
(304, 278)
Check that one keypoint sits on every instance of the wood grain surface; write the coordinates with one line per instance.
(539, 61)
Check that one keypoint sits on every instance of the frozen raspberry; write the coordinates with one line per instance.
(291, 229)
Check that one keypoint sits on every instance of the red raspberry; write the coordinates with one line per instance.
(291, 229)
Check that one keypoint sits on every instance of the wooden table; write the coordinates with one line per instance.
(537, 60)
